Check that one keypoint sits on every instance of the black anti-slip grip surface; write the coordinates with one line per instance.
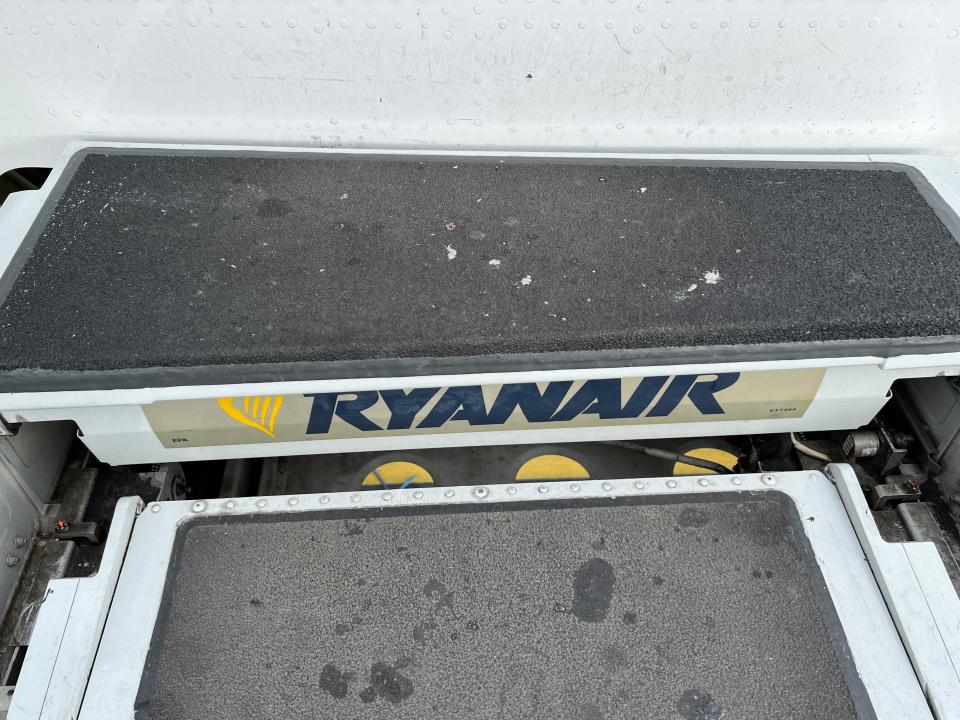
(165, 268)
(691, 609)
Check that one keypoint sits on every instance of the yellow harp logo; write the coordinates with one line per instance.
(260, 413)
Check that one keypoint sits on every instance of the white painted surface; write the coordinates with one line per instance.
(598, 75)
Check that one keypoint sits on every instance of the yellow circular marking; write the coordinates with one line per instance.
(552, 467)
(721, 457)
(397, 473)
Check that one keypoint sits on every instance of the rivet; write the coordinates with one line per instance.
(703, 482)
(199, 506)
(481, 492)
(736, 481)
(19, 541)
(293, 501)
(607, 487)
(449, 493)
(671, 483)
(575, 487)
(387, 496)
(354, 498)
(154, 508)
(11, 560)
(511, 490)
(229, 504)
(768, 480)
(324, 499)
(639, 485)
(544, 489)
(418, 494)
(261, 503)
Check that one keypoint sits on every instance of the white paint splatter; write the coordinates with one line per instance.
(451, 252)
(526, 280)
(344, 196)
(495, 262)
(711, 277)
(642, 190)
(681, 295)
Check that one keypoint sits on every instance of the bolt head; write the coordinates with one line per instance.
(11, 560)
(19, 541)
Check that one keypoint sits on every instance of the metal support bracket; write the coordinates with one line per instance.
(919, 595)
(64, 643)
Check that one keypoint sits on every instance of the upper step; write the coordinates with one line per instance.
(177, 267)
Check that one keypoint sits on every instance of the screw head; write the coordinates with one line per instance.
(768, 480)
(639, 485)
(671, 483)
(418, 494)
(703, 482)
(736, 481)
(155, 507)
(387, 496)
(199, 506)
(449, 493)
(607, 487)
(481, 492)
(511, 490)
(229, 504)
(544, 489)
(324, 499)
(11, 560)
(261, 503)
(293, 501)
(575, 487)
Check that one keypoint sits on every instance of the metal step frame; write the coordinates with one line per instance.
(876, 620)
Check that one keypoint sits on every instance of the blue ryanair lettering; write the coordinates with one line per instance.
(600, 397)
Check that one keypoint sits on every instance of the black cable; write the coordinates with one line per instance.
(676, 457)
